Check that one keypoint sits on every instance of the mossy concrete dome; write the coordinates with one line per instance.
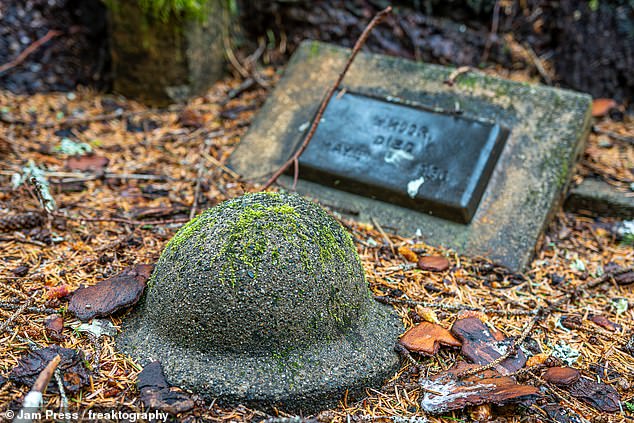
(262, 300)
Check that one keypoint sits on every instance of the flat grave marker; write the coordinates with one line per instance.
(479, 166)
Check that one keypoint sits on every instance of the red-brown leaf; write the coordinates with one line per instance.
(561, 375)
(427, 337)
(433, 263)
(88, 162)
(601, 106)
(110, 295)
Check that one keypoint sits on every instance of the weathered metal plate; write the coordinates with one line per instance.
(427, 161)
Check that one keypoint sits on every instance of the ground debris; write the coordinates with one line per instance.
(446, 392)
(596, 394)
(110, 295)
(426, 338)
(87, 162)
(482, 345)
(433, 263)
(562, 414)
(75, 375)
(157, 394)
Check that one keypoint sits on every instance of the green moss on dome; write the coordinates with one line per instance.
(250, 232)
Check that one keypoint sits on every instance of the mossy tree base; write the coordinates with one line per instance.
(162, 61)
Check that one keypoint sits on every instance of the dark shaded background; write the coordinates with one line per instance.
(590, 44)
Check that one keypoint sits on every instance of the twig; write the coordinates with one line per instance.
(23, 241)
(538, 64)
(313, 128)
(618, 137)
(62, 391)
(123, 220)
(9, 306)
(451, 79)
(454, 307)
(43, 195)
(494, 31)
(512, 349)
(4, 325)
(199, 177)
(27, 51)
(389, 241)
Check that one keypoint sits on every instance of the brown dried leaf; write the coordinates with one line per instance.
(157, 394)
(54, 326)
(427, 337)
(445, 392)
(601, 106)
(433, 263)
(537, 359)
(482, 346)
(87, 162)
(110, 295)
(408, 254)
(561, 375)
(604, 322)
(191, 118)
(60, 291)
(427, 314)
(75, 373)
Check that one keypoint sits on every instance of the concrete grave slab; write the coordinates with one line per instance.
(547, 128)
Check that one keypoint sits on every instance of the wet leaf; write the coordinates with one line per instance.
(562, 414)
(596, 394)
(426, 338)
(482, 345)
(445, 392)
(157, 394)
(561, 375)
(433, 263)
(604, 322)
(75, 373)
(191, 118)
(87, 162)
(408, 254)
(54, 326)
(59, 291)
(110, 295)
(601, 106)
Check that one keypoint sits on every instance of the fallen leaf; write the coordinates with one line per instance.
(427, 337)
(427, 314)
(59, 291)
(191, 118)
(561, 414)
(20, 271)
(87, 162)
(157, 394)
(433, 263)
(561, 376)
(75, 373)
(482, 346)
(110, 295)
(408, 254)
(54, 326)
(601, 106)
(596, 394)
(604, 322)
(98, 328)
(537, 360)
(445, 392)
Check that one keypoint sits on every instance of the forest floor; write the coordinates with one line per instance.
(120, 205)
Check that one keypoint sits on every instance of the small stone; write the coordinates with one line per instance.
(433, 263)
